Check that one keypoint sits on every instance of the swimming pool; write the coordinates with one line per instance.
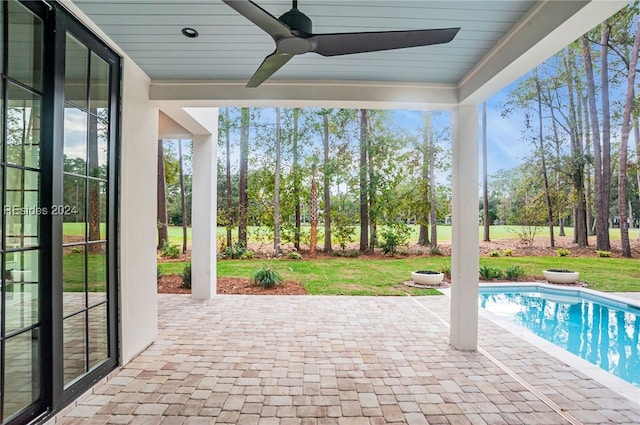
(603, 331)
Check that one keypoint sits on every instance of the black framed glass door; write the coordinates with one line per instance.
(58, 160)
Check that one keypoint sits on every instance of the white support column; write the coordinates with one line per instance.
(464, 221)
(204, 216)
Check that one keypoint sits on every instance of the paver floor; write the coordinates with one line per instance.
(339, 360)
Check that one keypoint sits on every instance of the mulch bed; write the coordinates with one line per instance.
(172, 284)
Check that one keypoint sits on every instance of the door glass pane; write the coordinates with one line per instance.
(98, 347)
(75, 140)
(73, 277)
(21, 373)
(97, 283)
(73, 203)
(76, 68)
(22, 289)
(99, 87)
(25, 46)
(98, 147)
(23, 127)
(22, 211)
(74, 347)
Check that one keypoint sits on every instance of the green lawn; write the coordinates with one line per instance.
(444, 233)
(341, 276)
(73, 272)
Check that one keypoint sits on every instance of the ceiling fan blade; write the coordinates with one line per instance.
(271, 64)
(360, 42)
(260, 17)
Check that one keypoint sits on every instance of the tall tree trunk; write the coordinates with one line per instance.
(243, 203)
(601, 204)
(432, 189)
(373, 215)
(606, 134)
(183, 202)
(93, 216)
(423, 236)
(163, 233)
(227, 136)
(276, 189)
(624, 141)
(296, 178)
(543, 155)
(561, 213)
(587, 171)
(485, 185)
(577, 160)
(327, 185)
(364, 189)
(313, 213)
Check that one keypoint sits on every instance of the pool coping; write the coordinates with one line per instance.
(620, 386)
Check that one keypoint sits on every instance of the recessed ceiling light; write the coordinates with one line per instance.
(189, 32)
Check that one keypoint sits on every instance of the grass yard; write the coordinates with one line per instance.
(362, 276)
(73, 272)
(444, 233)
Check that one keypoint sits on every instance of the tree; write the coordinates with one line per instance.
(425, 192)
(327, 180)
(163, 220)
(243, 202)
(276, 189)
(313, 213)
(364, 187)
(227, 136)
(485, 188)
(543, 159)
(433, 220)
(601, 203)
(624, 140)
(295, 170)
(183, 202)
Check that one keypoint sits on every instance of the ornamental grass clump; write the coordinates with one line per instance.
(266, 277)
(490, 273)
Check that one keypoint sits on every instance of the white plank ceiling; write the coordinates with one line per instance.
(231, 48)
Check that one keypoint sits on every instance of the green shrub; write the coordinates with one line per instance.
(247, 255)
(169, 251)
(186, 276)
(489, 273)
(507, 252)
(343, 229)
(266, 277)
(494, 253)
(446, 270)
(514, 272)
(603, 254)
(394, 236)
(235, 251)
(159, 272)
(294, 255)
(435, 250)
(562, 252)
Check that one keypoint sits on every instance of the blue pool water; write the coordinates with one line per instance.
(601, 331)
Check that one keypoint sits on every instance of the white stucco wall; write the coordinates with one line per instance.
(138, 162)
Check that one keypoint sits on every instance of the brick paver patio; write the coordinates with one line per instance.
(339, 360)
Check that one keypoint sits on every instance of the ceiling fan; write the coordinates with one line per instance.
(293, 35)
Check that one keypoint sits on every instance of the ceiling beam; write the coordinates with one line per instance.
(548, 27)
(338, 94)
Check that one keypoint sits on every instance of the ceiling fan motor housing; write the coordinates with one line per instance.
(297, 21)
